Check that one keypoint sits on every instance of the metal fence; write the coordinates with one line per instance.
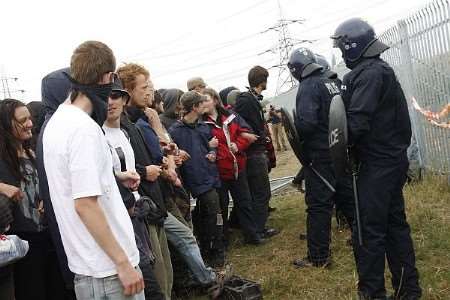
(420, 55)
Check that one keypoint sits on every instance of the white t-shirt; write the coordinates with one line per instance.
(78, 164)
(119, 143)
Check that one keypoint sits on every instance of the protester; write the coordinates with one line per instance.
(55, 89)
(223, 94)
(11, 247)
(312, 106)
(200, 176)
(249, 108)
(196, 84)
(379, 134)
(124, 160)
(37, 275)
(83, 189)
(277, 128)
(135, 79)
(158, 103)
(172, 107)
(234, 138)
(231, 98)
(178, 234)
(36, 109)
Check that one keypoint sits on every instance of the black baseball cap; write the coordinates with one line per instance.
(118, 87)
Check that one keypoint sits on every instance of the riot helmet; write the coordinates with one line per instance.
(321, 60)
(302, 63)
(356, 39)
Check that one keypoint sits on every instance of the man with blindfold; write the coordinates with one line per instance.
(95, 228)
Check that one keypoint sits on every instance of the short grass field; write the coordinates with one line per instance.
(428, 211)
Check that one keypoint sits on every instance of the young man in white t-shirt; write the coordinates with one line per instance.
(95, 227)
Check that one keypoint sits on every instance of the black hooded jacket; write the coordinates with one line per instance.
(171, 98)
(55, 89)
(143, 158)
(249, 108)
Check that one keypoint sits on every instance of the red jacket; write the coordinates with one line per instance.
(227, 162)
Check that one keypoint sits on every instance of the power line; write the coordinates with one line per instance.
(6, 89)
(204, 50)
(187, 34)
(283, 49)
(237, 71)
(209, 63)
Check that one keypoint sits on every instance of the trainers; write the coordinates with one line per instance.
(255, 241)
(216, 289)
(270, 232)
(302, 263)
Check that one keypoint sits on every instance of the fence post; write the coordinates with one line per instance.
(409, 79)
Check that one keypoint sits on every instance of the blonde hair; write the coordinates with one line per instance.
(128, 73)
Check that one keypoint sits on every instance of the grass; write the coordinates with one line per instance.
(428, 210)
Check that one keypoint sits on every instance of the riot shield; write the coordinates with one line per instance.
(338, 139)
(338, 136)
(292, 135)
(297, 145)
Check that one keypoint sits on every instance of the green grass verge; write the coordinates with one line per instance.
(428, 211)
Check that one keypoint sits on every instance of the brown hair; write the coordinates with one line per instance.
(128, 73)
(8, 142)
(219, 105)
(213, 94)
(90, 61)
(257, 75)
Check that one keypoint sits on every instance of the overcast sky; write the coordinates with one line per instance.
(175, 40)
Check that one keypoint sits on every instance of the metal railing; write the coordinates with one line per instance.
(420, 56)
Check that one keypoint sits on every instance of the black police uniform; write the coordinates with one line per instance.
(312, 107)
(380, 130)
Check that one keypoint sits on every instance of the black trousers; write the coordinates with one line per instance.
(386, 233)
(259, 185)
(242, 201)
(319, 202)
(37, 275)
(152, 289)
(208, 224)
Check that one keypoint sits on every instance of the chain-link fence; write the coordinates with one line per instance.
(420, 55)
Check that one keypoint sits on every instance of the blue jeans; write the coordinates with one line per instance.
(182, 238)
(108, 288)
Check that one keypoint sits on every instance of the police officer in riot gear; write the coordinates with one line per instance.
(321, 60)
(380, 132)
(313, 100)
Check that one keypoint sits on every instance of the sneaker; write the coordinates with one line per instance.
(270, 232)
(255, 241)
(216, 289)
(302, 263)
